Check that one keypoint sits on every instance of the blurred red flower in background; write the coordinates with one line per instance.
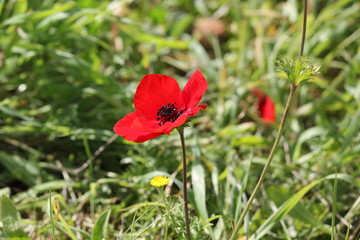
(266, 106)
(160, 106)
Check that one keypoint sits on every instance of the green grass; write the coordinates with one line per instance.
(69, 70)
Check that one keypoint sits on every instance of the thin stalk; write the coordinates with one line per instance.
(186, 207)
(51, 216)
(333, 219)
(278, 136)
(91, 173)
(303, 29)
(163, 196)
(268, 162)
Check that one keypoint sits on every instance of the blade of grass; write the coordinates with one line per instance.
(285, 208)
(243, 187)
(66, 227)
(100, 226)
(132, 224)
(11, 220)
(137, 219)
(348, 231)
(51, 216)
(333, 219)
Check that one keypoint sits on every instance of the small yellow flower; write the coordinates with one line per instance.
(159, 181)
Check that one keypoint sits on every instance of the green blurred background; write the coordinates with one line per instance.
(68, 72)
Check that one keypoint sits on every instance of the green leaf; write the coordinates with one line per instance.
(306, 135)
(198, 182)
(333, 219)
(248, 140)
(58, 8)
(280, 194)
(14, 113)
(285, 208)
(237, 129)
(219, 229)
(162, 42)
(24, 17)
(354, 209)
(19, 168)
(297, 71)
(17, 19)
(100, 226)
(21, 6)
(11, 220)
(5, 191)
(181, 25)
(215, 179)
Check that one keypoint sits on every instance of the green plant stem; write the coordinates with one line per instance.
(333, 219)
(186, 207)
(91, 174)
(278, 136)
(163, 196)
(51, 217)
(268, 162)
(303, 29)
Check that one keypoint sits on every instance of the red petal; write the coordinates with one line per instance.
(267, 110)
(194, 110)
(258, 93)
(266, 106)
(194, 89)
(154, 91)
(178, 122)
(202, 107)
(151, 126)
(127, 128)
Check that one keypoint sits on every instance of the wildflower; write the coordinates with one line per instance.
(159, 181)
(266, 106)
(160, 106)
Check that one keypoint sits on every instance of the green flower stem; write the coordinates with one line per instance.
(278, 136)
(163, 196)
(186, 205)
(51, 216)
(303, 29)
(268, 162)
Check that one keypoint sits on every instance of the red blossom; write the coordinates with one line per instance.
(266, 106)
(160, 106)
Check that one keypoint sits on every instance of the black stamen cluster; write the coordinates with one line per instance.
(168, 113)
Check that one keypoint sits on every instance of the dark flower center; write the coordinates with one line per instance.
(168, 113)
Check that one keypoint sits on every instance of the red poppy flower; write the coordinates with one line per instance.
(160, 106)
(266, 106)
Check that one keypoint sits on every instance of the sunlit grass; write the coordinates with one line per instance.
(68, 72)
